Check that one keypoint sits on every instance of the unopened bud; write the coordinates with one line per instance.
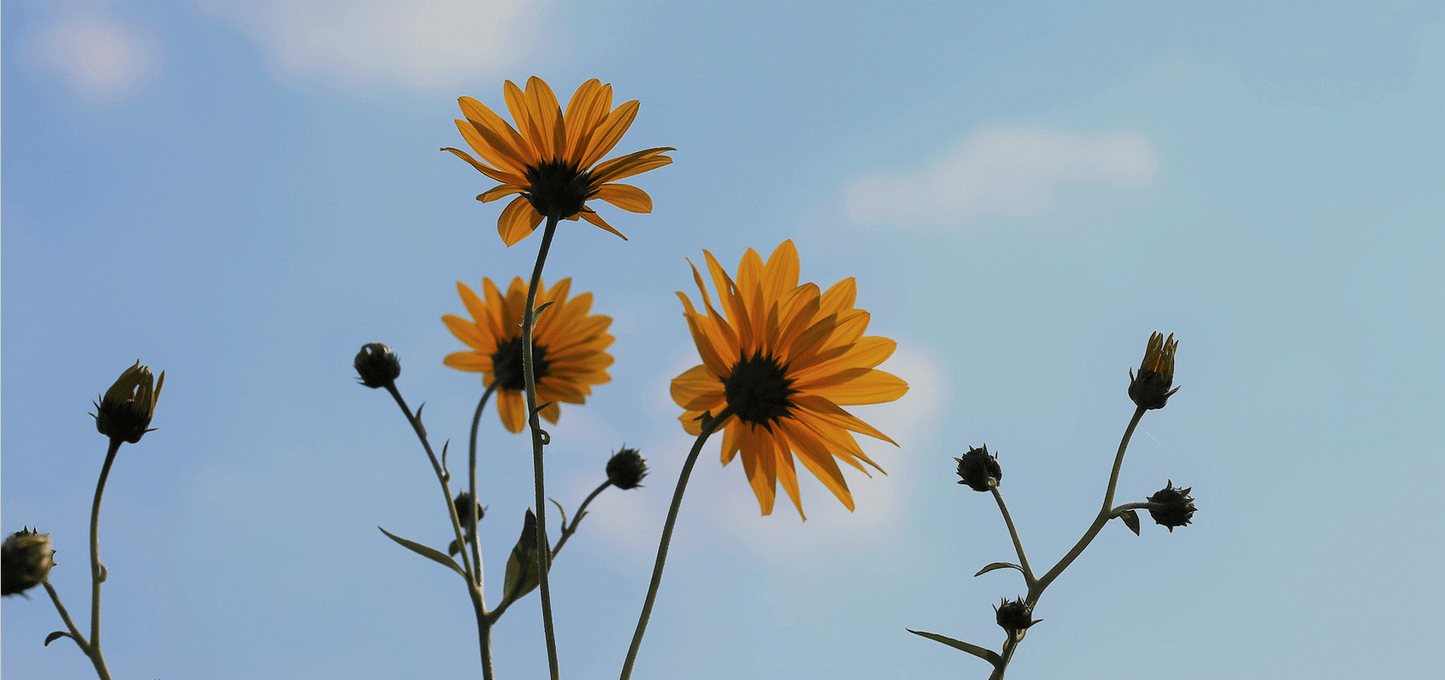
(25, 561)
(377, 365)
(979, 469)
(626, 469)
(125, 411)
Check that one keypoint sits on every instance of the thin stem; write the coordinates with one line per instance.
(529, 371)
(1106, 513)
(1099, 522)
(441, 474)
(96, 569)
(479, 602)
(65, 616)
(1014, 533)
(567, 531)
(708, 426)
(471, 529)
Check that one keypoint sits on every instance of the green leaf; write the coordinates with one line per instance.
(1131, 520)
(522, 575)
(56, 636)
(430, 553)
(998, 565)
(985, 654)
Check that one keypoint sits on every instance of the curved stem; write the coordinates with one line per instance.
(65, 616)
(96, 569)
(567, 531)
(1104, 513)
(1014, 533)
(530, 373)
(708, 426)
(441, 474)
(479, 603)
(471, 528)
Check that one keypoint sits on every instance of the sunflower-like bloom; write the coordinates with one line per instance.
(568, 346)
(784, 359)
(550, 162)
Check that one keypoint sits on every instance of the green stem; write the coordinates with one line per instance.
(479, 603)
(441, 474)
(538, 441)
(708, 426)
(1014, 533)
(471, 529)
(97, 570)
(1106, 513)
(65, 616)
(567, 531)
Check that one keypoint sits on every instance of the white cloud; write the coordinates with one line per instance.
(1006, 170)
(102, 59)
(363, 43)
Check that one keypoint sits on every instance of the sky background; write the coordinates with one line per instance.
(242, 193)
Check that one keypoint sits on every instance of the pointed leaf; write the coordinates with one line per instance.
(522, 575)
(1131, 520)
(430, 553)
(985, 654)
(56, 636)
(998, 565)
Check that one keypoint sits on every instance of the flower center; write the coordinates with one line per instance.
(758, 390)
(507, 364)
(559, 185)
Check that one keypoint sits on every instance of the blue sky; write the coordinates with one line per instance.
(243, 193)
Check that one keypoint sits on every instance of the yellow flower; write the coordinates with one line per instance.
(784, 359)
(551, 161)
(568, 346)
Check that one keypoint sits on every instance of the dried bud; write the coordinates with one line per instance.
(1150, 389)
(25, 560)
(626, 469)
(979, 469)
(1014, 617)
(1171, 507)
(377, 365)
(125, 411)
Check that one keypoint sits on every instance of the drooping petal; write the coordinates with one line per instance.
(626, 196)
(518, 220)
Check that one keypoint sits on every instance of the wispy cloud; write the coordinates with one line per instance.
(361, 44)
(1006, 170)
(101, 59)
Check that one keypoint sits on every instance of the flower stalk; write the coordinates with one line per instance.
(539, 440)
(709, 423)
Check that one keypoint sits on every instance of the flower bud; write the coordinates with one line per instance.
(1014, 617)
(377, 365)
(467, 509)
(1150, 389)
(979, 469)
(125, 411)
(1171, 507)
(626, 469)
(25, 560)
(464, 504)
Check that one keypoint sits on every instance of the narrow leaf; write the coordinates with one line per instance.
(430, 553)
(985, 654)
(56, 636)
(998, 565)
(1131, 520)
